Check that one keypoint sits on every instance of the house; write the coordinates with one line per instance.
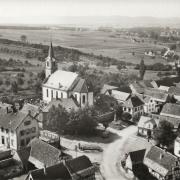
(146, 125)
(150, 54)
(134, 106)
(64, 84)
(75, 169)
(43, 154)
(120, 96)
(138, 87)
(107, 89)
(164, 88)
(171, 110)
(17, 129)
(6, 108)
(134, 159)
(161, 164)
(175, 92)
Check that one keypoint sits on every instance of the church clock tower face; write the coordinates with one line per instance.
(51, 66)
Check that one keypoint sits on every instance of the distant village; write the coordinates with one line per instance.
(29, 147)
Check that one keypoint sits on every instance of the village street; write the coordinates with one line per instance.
(112, 153)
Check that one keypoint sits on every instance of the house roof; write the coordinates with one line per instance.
(107, 87)
(171, 109)
(143, 120)
(174, 90)
(164, 88)
(80, 86)
(67, 103)
(159, 160)
(119, 95)
(133, 101)
(137, 156)
(61, 80)
(12, 120)
(78, 164)
(56, 172)
(156, 93)
(44, 153)
(30, 108)
(168, 81)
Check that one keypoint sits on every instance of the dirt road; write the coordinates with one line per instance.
(111, 154)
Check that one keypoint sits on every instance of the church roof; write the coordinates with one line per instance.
(61, 80)
(51, 51)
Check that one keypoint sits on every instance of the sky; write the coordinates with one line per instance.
(36, 11)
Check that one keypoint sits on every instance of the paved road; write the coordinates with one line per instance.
(111, 154)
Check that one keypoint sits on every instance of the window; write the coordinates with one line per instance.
(83, 99)
(2, 140)
(56, 94)
(33, 130)
(7, 131)
(61, 95)
(27, 123)
(22, 133)
(51, 94)
(47, 92)
(47, 63)
(2, 129)
(129, 109)
(22, 142)
(28, 131)
(12, 142)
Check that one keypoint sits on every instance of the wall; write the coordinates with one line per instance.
(28, 131)
(177, 148)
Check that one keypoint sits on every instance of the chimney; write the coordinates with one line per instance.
(44, 169)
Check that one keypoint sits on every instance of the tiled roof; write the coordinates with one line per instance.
(156, 93)
(81, 86)
(12, 120)
(159, 160)
(174, 90)
(107, 87)
(30, 108)
(67, 103)
(44, 153)
(120, 96)
(133, 101)
(61, 80)
(56, 172)
(170, 109)
(137, 156)
(78, 164)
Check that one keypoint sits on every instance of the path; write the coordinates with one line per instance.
(111, 154)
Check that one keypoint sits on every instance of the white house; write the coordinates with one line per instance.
(177, 146)
(64, 84)
(17, 129)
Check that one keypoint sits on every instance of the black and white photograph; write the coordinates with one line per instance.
(89, 89)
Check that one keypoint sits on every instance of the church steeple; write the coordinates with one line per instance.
(51, 66)
(51, 51)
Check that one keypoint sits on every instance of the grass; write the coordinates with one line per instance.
(105, 43)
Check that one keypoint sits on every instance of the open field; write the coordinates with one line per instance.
(99, 43)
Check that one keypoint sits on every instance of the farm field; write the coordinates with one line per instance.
(99, 43)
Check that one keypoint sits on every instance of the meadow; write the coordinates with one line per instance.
(109, 44)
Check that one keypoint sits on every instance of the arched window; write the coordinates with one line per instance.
(47, 92)
(51, 94)
(47, 63)
(61, 95)
(56, 94)
(83, 99)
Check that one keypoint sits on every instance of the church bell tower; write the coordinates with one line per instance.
(51, 66)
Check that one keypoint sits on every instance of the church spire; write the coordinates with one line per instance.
(51, 51)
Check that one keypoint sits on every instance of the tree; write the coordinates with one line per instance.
(126, 116)
(81, 122)
(56, 119)
(20, 81)
(14, 87)
(142, 69)
(23, 38)
(164, 133)
(119, 111)
(41, 75)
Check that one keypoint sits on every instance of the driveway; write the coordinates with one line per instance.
(112, 153)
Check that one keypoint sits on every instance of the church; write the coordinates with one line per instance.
(61, 84)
